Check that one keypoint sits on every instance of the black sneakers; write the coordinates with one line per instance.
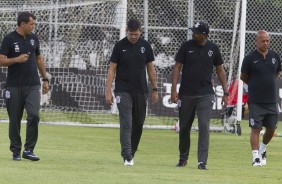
(181, 163)
(30, 155)
(202, 166)
(16, 156)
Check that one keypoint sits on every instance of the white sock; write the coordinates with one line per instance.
(255, 154)
(262, 148)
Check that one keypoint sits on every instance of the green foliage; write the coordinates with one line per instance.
(92, 155)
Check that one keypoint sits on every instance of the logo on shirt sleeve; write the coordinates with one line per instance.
(210, 53)
(32, 42)
(273, 61)
(142, 50)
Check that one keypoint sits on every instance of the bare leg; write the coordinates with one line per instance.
(254, 139)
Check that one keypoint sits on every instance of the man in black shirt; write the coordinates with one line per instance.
(130, 58)
(259, 70)
(196, 58)
(20, 52)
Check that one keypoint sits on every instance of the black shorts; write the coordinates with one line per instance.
(263, 115)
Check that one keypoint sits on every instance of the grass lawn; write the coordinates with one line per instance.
(78, 155)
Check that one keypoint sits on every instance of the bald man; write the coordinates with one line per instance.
(259, 70)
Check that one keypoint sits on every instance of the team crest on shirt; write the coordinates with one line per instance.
(32, 42)
(142, 50)
(273, 61)
(210, 53)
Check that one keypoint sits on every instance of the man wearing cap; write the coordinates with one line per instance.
(196, 59)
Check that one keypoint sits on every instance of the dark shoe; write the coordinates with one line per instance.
(202, 166)
(16, 156)
(181, 163)
(30, 155)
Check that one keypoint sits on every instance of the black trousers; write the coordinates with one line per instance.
(18, 99)
(132, 112)
(188, 106)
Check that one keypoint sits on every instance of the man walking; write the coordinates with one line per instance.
(260, 70)
(130, 58)
(20, 52)
(196, 59)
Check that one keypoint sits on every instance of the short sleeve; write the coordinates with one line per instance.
(150, 56)
(279, 69)
(218, 58)
(5, 46)
(245, 65)
(180, 55)
(37, 50)
(115, 54)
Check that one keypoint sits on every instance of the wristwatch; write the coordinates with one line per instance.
(226, 93)
(45, 79)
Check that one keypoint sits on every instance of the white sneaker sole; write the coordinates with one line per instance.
(128, 163)
(263, 162)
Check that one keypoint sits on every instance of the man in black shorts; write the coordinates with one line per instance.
(20, 52)
(130, 58)
(260, 70)
(196, 58)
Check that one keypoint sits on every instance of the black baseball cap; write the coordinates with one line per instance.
(200, 28)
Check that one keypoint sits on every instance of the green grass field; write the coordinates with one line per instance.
(75, 155)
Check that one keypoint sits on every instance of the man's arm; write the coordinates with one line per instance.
(4, 61)
(152, 74)
(110, 78)
(41, 66)
(175, 78)
(222, 79)
(153, 79)
(42, 70)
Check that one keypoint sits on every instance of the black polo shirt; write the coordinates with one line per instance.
(131, 60)
(197, 70)
(262, 76)
(21, 74)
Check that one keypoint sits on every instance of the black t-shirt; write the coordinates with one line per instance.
(21, 74)
(262, 76)
(131, 60)
(198, 62)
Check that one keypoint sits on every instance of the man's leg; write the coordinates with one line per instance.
(15, 107)
(270, 123)
(186, 117)
(255, 123)
(125, 104)
(138, 114)
(204, 111)
(32, 106)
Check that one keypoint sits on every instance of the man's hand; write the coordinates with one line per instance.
(174, 97)
(109, 98)
(224, 101)
(155, 97)
(22, 58)
(45, 87)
